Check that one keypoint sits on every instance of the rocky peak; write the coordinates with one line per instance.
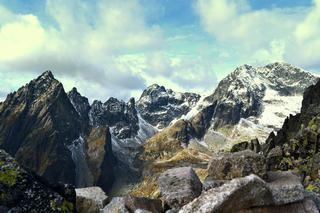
(159, 106)
(249, 92)
(80, 103)
(121, 116)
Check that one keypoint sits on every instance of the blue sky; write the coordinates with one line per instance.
(118, 47)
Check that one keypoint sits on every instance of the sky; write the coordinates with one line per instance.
(119, 47)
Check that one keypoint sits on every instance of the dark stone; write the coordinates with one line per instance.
(24, 191)
(179, 186)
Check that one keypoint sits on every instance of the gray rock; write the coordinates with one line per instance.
(285, 187)
(133, 204)
(117, 205)
(274, 158)
(210, 183)
(240, 193)
(226, 166)
(90, 200)
(141, 211)
(179, 186)
(305, 206)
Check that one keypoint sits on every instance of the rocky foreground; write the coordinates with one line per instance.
(237, 182)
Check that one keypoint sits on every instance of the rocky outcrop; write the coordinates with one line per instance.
(179, 186)
(121, 116)
(238, 194)
(90, 200)
(81, 105)
(226, 166)
(24, 191)
(37, 123)
(253, 145)
(100, 158)
(159, 106)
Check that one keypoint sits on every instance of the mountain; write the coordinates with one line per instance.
(159, 106)
(62, 137)
(42, 129)
(251, 102)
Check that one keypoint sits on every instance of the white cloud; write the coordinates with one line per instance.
(82, 44)
(265, 35)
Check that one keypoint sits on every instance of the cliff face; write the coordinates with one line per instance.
(24, 191)
(47, 130)
(36, 124)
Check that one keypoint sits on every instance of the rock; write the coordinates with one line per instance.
(133, 204)
(210, 183)
(240, 146)
(274, 158)
(285, 187)
(305, 206)
(253, 145)
(117, 205)
(90, 199)
(226, 166)
(179, 186)
(146, 204)
(240, 193)
(24, 191)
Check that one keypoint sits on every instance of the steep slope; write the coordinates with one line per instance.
(296, 145)
(257, 100)
(36, 124)
(47, 130)
(24, 191)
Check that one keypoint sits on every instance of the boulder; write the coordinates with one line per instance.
(115, 206)
(240, 193)
(90, 200)
(133, 204)
(179, 186)
(226, 166)
(210, 183)
(305, 206)
(285, 187)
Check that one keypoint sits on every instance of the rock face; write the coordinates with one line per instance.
(253, 145)
(23, 191)
(46, 130)
(159, 106)
(297, 142)
(90, 200)
(238, 194)
(232, 165)
(37, 123)
(179, 186)
(117, 114)
(100, 159)
(248, 92)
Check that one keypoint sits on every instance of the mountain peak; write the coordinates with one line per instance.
(46, 75)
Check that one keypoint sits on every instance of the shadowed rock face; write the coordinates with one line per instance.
(47, 130)
(36, 124)
(24, 191)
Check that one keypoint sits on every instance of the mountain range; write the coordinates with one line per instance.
(60, 136)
